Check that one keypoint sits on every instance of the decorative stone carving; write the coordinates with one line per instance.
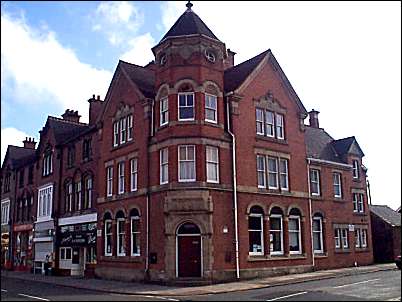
(268, 102)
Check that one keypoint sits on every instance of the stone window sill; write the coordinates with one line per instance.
(275, 257)
(132, 259)
(342, 251)
(362, 250)
(271, 139)
(320, 255)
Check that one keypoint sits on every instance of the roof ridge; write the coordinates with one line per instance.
(67, 121)
(230, 68)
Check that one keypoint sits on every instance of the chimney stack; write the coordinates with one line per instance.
(29, 143)
(71, 115)
(314, 119)
(229, 62)
(95, 108)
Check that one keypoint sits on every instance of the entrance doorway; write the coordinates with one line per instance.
(189, 249)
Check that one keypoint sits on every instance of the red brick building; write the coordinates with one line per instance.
(196, 168)
(208, 171)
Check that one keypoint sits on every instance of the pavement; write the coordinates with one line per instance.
(136, 288)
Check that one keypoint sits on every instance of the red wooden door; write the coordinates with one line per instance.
(189, 257)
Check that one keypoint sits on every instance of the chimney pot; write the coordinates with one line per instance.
(98, 97)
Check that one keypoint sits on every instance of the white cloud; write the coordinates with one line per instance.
(343, 59)
(11, 136)
(117, 20)
(140, 52)
(43, 70)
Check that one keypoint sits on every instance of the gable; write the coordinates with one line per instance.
(355, 149)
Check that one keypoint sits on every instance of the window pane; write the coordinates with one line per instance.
(254, 223)
(272, 165)
(316, 225)
(276, 243)
(190, 100)
(255, 244)
(294, 224)
(317, 241)
(190, 152)
(275, 223)
(182, 100)
(294, 244)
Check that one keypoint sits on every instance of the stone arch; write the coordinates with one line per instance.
(275, 205)
(179, 84)
(163, 91)
(120, 211)
(107, 215)
(192, 220)
(318, 213)
(253, 204)
(211, 87)
(134, 207)
(294, 206)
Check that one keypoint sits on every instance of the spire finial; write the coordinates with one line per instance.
(189, 5)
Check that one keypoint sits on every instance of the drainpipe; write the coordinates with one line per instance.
(148, 195)
(234, 186)
(310, 212)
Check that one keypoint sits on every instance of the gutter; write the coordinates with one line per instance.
(234, 186)
(322, 161)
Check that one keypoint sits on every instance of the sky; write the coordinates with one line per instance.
(342, 58)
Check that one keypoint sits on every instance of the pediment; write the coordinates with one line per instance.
(269, 102)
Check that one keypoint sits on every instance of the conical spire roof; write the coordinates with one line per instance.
(189, 24)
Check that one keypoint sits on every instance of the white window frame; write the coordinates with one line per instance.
(337, 183)
(355, 169)
(295, 217)
(281, 234)
(78, 194)
(186, 160)
(276, 173)
(360, 203)
(262, 171)
(186, 106)
(123, 129)
(286, 173)
(118, 233)
(260, 121)
(121, 182)
(215, 121)
(268, 124)
(133, 174)
(65, 258)
(337, 238)
(130, 130)
(109, 181)
(106, 237)
(261, 216)
(164, 111)
(45, 203)
(89, 188)
(163, 166)
(70, 196)
(363, 237)
(116, 133)
(210, 162)
(47, 168)
(345, 239)
(5, 211)
(280, 127)
(357, 238)
(320, 232)
(312, 171)
(137, 232)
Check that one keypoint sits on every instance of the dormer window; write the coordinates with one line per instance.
(47, 162)
(162, 60)
(210, 56)
(355, 164)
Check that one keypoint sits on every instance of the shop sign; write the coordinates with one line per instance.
(77, 235)
(23, 227)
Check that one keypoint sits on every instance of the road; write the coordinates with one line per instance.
(380, 286)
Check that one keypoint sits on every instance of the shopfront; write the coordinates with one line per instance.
(23, 260)
(77, 248)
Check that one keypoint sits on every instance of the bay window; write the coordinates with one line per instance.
(164, 166)
(212, 164)
(186, 106)
(211, 107)
(186, 163)
(164, 111)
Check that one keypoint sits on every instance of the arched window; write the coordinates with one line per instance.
(87, 192)
(121, 233)
(135, 232)
(108, 234)
(256, 231)
(318, 241)
(68, 189)
(47, 166)
(295, 245)
(186, 101)
(276, 231)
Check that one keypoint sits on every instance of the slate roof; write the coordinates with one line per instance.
(19, 155)
(189, 24)
(387, 214)
(142, 77)
(236, 75)
(319, 145)
(342, 146)
(65, 130)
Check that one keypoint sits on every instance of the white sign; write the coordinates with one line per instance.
(99, 233)
(351, 227)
